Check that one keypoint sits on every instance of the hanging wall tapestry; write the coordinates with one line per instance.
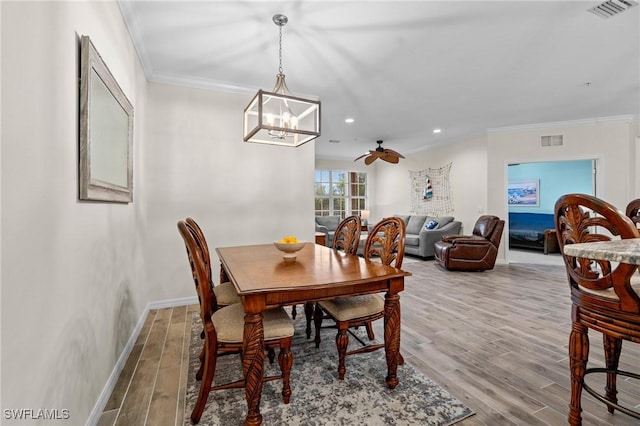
(431, 191)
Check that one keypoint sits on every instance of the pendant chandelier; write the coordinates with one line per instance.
(277, 117)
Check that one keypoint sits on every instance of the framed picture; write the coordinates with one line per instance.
(106, 132)
(524, 193)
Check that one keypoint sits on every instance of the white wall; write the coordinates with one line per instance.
(71, 272)
(77, 276)
(197, 165)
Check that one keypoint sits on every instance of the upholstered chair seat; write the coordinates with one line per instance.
(229, 323)
(353, 307)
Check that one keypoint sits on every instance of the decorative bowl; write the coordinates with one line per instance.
(289, 249)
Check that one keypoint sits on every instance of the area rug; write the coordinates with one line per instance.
(318, 397)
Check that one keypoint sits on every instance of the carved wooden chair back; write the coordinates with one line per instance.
(347, 235)
(201, 241)
(200, 272)
(633, 211)
(386, 241)
(602, 294)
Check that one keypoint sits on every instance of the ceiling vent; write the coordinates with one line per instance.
(610, 8)
(553, 140)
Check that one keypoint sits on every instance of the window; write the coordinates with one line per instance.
(340, 193)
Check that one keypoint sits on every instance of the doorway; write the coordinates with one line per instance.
(534, 188)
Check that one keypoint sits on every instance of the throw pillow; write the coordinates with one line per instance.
(431, 224)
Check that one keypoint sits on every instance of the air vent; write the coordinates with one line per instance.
(553, 140)
(610, 8)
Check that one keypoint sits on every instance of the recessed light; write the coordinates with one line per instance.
(437, 130)
(349, 120)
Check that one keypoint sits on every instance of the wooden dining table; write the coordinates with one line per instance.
(264, 280)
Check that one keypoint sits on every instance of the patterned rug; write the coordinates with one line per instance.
(318, 397)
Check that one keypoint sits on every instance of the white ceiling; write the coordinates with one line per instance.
(402, 68)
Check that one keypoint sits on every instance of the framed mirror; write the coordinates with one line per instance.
(106, 132)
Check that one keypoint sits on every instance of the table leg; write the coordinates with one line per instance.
(253, 366)
(392, 337)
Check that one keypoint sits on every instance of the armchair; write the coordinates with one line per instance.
(476, 252)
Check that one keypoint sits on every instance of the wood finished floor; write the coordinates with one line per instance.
(496, 340)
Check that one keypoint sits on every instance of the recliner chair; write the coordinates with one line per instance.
(475, 252)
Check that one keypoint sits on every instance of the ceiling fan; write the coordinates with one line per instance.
(385, 154)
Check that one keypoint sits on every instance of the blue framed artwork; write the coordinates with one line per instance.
(524, 193)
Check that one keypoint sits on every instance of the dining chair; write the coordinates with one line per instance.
(604, 296)
(224, 330)
(385, 243)
(347, 239)
(225, 292)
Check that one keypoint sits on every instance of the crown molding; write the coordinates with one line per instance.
(568, 123)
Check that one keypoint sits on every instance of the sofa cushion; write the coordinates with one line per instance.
(405, 218)
(331, 222)
(415, 224)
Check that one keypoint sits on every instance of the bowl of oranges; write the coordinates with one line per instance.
(289, 245)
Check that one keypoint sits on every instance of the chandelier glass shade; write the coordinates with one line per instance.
(279, 118)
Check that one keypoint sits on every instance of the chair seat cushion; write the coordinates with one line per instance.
(610, 293)
(229, 323)
(353, 307)
(226, 294)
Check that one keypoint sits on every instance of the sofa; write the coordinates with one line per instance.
(327, 225)
(533, 231)
(420, 239)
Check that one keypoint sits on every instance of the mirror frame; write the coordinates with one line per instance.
(90, 187)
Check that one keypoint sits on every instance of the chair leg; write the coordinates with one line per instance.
(201, 369)
(342, 341)
(210, 355)
(370, 334)
(318, 315)
(612, 349)
(308, 312)
(578, 356)
(294, 312)
(285, 360)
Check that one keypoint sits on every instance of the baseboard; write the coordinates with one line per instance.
(98, 408)
(172, 303)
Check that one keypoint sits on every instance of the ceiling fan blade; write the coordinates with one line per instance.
(371, 152)
(390, 158)
(390, 151)
(370, 159)
(362, 156)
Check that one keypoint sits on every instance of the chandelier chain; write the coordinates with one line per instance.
(280, 51)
